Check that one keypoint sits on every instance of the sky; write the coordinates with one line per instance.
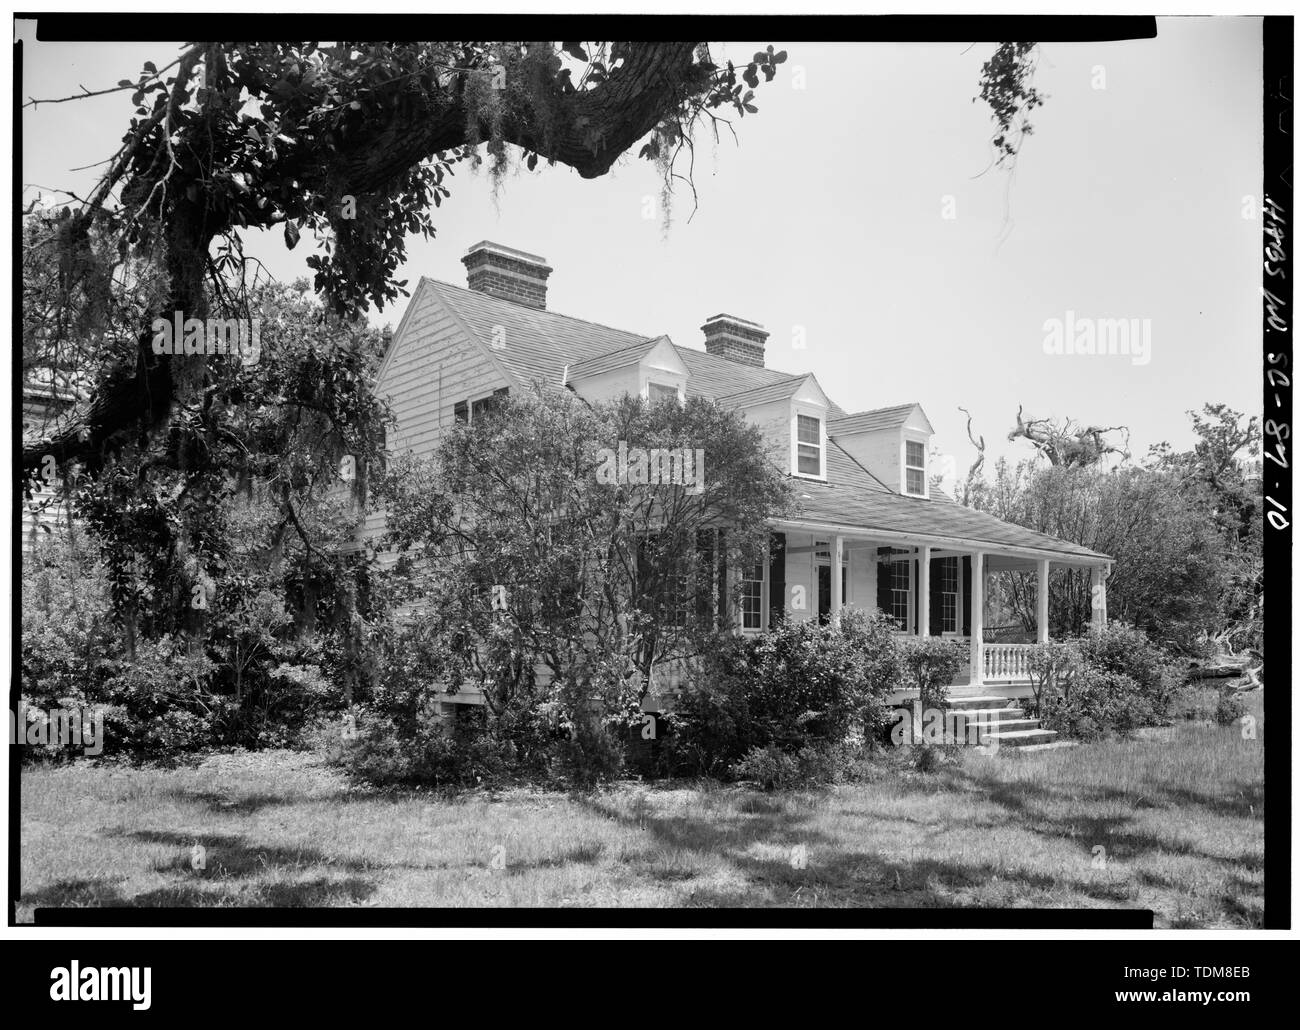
(860, 214)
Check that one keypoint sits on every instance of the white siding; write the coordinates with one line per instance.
(433, 365)
(799, 573)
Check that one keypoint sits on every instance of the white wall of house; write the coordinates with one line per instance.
(431, 367)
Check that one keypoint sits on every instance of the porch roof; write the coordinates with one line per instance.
(852, 502)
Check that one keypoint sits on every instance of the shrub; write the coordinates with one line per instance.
(1230, 708)
(770, 766)
(800, 687)
(930, 665)
(1049, 665)
(1151, 676)
(1111, 681)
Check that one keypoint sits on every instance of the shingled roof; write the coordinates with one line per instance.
(869, 421)
(854, 498)
(540, 343)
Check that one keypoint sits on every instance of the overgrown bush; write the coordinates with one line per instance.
(798, 690)
(930, 664)
(164, 695)
(1114, 680)
(1126, 651)
(1229, 709)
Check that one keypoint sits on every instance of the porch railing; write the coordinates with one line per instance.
(1006, 661)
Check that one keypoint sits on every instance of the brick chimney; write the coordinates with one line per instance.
(735, 339)
(507, 273)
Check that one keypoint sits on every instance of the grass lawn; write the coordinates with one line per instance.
(1180, 816)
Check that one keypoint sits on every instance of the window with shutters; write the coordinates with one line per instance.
(950, 594)
(900, 592)
(753, 585)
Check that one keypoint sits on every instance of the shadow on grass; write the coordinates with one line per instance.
(315, 893)
(233, 872)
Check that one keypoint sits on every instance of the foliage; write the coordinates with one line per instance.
(225, 605)
(1111, 681)
(523, 558)
(1006, 86)
(1169, 573)
(930, 664)
(1229, 708)
(801, 685)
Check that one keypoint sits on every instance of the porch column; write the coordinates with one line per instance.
(1044, 569)
(977, 618)
(1099, 574)
(923, 591)
(837, 578)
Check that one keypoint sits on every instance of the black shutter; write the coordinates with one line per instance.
(704, 581)
(965, 594)
(882, 584)
(776, 580)
(916, 595)
(936, 597)
(724, 614)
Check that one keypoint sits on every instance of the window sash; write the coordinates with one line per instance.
(752, 583)
(810, 460)
(658, 392)
(949, 580)
(914, 465)
(900, 592)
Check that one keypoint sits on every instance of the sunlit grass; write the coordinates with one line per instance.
(1175, 825)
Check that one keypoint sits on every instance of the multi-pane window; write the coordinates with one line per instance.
(915, 467)
(659, 393)
(751, 596)
(949, 596)
(900, 592)
(809, 445)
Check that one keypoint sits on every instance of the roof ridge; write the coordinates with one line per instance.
(528, 308)
(874, 411)
(790, 380)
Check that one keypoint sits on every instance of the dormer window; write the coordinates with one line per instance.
(915, 467)
(809, 460)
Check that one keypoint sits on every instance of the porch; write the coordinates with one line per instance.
(930, 585)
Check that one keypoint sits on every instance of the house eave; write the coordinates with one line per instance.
(954, 542)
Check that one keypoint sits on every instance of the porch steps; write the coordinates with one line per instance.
(1013, 730)
(1054, 745)
(1021, 738)
(982, 701)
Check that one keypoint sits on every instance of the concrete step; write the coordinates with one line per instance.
(982, 701)
(1021, 738)
(989, 714)
(1055, 745)
(1014, 725)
